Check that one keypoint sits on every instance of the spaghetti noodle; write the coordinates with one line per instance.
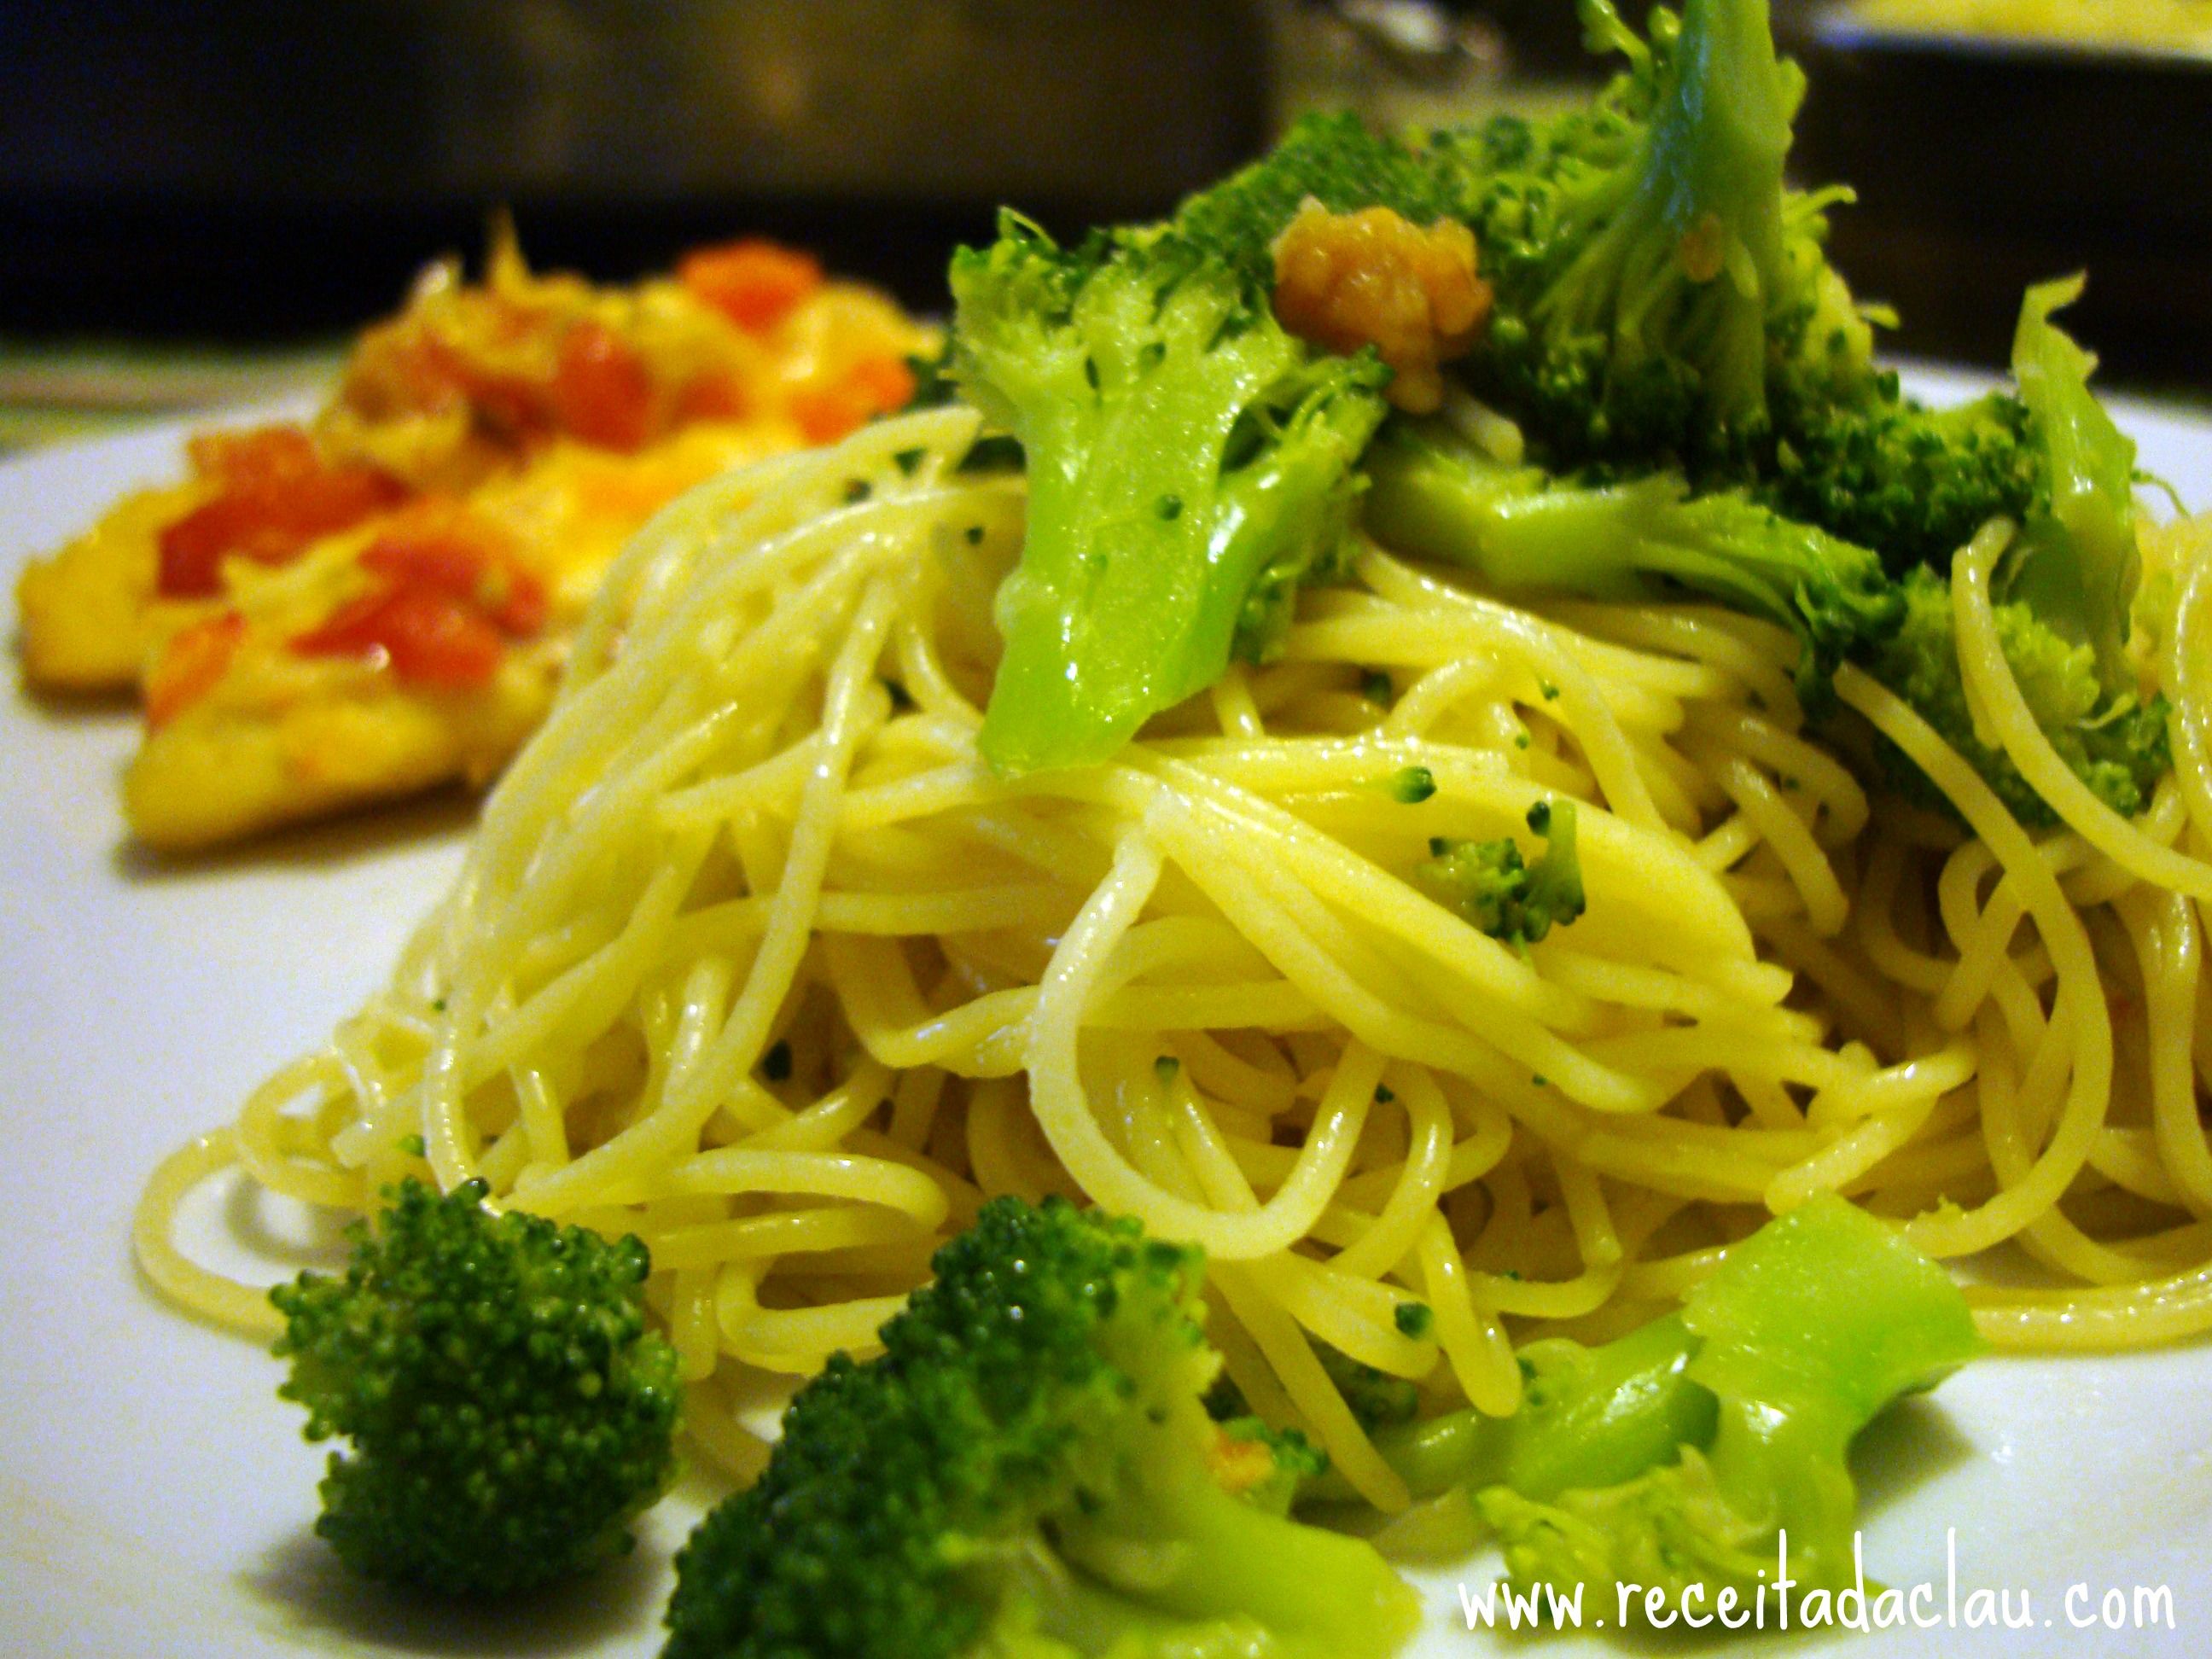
(754, 957)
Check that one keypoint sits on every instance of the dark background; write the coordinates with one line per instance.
(260, 171)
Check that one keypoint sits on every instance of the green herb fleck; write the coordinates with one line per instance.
(1413, 784)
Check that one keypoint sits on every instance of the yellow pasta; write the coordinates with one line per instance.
(754, 957)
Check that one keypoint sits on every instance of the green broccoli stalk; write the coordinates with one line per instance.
(1804, 1333)
(510, 1413)
(1029, 1469)
(1588, 1418)
(2061, 600)
(1189, 465)
(1437, 497)
(1496, 890)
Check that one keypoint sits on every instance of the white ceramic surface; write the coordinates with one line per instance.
(155, 1498)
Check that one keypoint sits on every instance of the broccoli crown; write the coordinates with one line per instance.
(2117, 745)
(1494, 888)
(1647, 260)
(1913, 483)
(1335, 159)
(1028, 1468)
(510, 1413)
(1804, 1333)
(1190, 464)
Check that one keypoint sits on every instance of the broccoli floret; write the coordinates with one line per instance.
(1665, 302)
(1334, 159)
(2116, 745)
(1494, 888)
(1803, 1334)
(1027, 1470)
(1523, 531)
(2061, 599)
(1644, 253)
(1190, 463)
(510, 1413)
(1912, 483)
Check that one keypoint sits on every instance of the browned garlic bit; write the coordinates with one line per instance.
(1347, 280)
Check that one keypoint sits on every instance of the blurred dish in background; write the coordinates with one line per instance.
(1985, 164)
(320, 617)
(2178, 25)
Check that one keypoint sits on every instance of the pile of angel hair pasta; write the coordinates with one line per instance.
(754, 958)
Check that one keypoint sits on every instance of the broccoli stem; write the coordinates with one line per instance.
(1691, 251)
(1590, 1417)
(1184, 1547)
(1522, 532)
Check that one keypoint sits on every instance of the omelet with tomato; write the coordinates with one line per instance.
(325, 616)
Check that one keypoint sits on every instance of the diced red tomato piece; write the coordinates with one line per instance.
(442, 546)
(429, 638)
(195, 657)
(753, 282)
(602, 391)
(713, 398)
(450, 593)
(872, 386)
(509, 404)
(258, 455)
(278, 495)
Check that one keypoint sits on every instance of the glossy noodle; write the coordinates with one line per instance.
(753, 957)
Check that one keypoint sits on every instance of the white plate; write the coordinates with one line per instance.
(156, 1498)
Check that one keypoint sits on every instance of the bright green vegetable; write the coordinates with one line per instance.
(2061, 599)
(1588, 1417)
(1914, 483)
(1190, 463)
(2076, 563)
(1334, 159)
(1028, 1472)
(1664, 303)
(1496, 890)
(1806, 1331)
(510, 1413)
(1646, 252)
(1523, 532)
(2116, 745)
